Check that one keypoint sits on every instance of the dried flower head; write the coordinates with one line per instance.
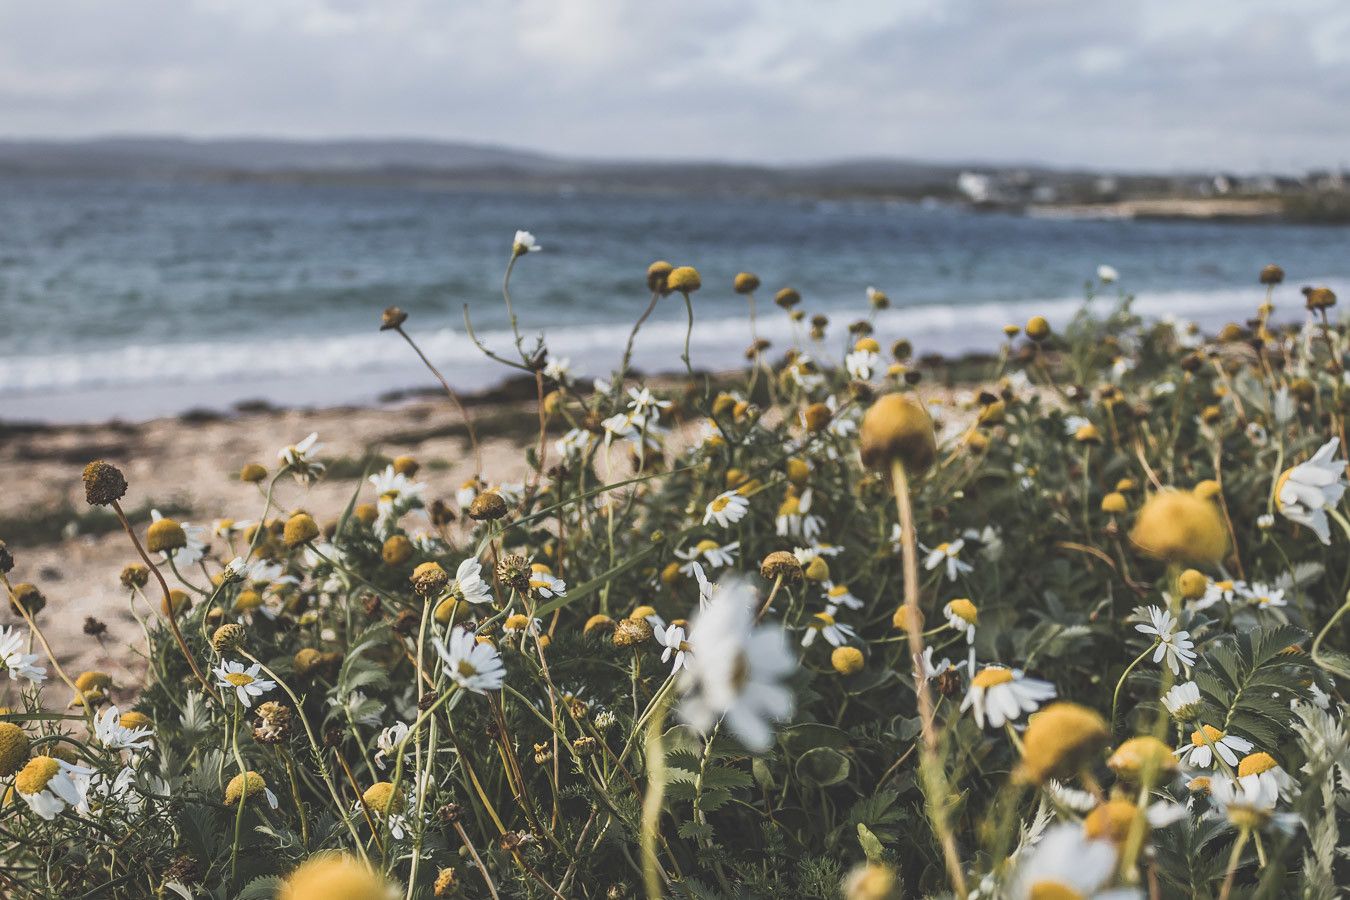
(397, 550)
(1060, 740)
(898, 428)
(14, 748)
(781, 564)
(1180, 527)
(25, 596)
(657, 274)
(300, 529)
(227, 637)
(429, 579)
(684, 279)
(487, 506)
(164, 536)
(392, 318)
(104, 483)
(253, 473)
(632, 632)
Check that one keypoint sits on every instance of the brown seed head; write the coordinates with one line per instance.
(104, 483)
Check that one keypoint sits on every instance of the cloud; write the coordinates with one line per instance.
(1151, 84)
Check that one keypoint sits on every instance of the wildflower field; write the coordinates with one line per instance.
(805, 630)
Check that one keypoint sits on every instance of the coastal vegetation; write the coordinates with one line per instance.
(805, 629)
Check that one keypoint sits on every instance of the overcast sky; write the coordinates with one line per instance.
(1137, 84)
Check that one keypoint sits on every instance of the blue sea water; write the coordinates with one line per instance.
(142, 298)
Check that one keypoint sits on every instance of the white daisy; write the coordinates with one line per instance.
(524, 243)
(472, 665)
(1268, 774)
(544, 583)
(48, 785)
(794, 518)
(738, 670)
(1175, 645)
(718, 556)
(962, 616)
(1207, 741)
(726, 509)
(1067, 863)
(395, 494)
(1183, 701)
(930, 670)
(839, 595)
(1000, 695)
(574, 443)
(948, 554)
(194, 549)
(673, 640)
(388, 741)
(1215, 592)
(1303, 493)
(247, 683)
(560, 370)
(113, 735)
(1078, 801)
(1261, 595)
(824, 623)
(14, 661)
(1247, 802)
(1107, 274)
(861, 364)
(300, 460)
(469, 584)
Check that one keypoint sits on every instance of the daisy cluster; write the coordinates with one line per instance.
(1070, 624)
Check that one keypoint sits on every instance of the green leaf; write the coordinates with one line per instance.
(823, 766)
(871, 846)
(809, 735)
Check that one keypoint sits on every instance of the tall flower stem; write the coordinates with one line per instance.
(930, 766)
(454, 398)
(314, 749)
(632, 335)
(651, 803)
(1233, 859)
(33, 627)
(688, 332)
(168, 603)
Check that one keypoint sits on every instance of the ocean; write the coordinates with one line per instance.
(135, 299)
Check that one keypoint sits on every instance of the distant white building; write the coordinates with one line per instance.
(976, 187)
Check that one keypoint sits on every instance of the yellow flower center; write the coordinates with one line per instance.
(239, 679)
(994, 675)
(1053, 890)
(1256, 763)
(791, 507)
(1279, 486)
(1224, 585)
(838, 590)
(36, 775)
(963, 609)
(1205, 735)
(823, 620)
(943, 547)
(466, 668)
(705, 545)
(720, 503)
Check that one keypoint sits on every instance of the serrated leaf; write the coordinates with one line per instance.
(871, 846)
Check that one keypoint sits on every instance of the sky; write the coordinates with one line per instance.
(1141, 84)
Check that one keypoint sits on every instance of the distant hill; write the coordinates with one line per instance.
(449, 163)
(462, 165)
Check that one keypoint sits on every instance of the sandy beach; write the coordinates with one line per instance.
(191, 468)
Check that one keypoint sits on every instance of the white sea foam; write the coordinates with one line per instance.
(355, 367)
